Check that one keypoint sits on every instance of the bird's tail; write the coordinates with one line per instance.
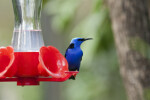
(72, 77)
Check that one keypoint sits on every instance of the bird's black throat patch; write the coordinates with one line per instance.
(71, 46)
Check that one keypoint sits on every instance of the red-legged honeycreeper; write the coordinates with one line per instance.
(74, 54)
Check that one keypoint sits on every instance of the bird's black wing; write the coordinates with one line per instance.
(81, 58)
(71, 46)
(65, 55)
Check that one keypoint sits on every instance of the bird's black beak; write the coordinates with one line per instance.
(88, 39)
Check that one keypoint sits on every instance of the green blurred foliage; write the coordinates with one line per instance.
(6, 23)
(99, 77)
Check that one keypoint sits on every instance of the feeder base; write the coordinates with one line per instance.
(30, 81)
(22, 81)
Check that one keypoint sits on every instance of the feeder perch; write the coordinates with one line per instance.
(28, 61)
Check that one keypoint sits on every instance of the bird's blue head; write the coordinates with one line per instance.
(78, 41)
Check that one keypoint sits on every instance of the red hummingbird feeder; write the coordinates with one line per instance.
(28, 61)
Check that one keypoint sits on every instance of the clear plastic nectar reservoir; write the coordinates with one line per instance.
(27, 35)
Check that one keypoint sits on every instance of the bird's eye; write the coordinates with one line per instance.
(80, 39)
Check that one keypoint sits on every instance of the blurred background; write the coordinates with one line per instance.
(62, 20)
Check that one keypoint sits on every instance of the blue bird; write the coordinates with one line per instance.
(74, 54)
